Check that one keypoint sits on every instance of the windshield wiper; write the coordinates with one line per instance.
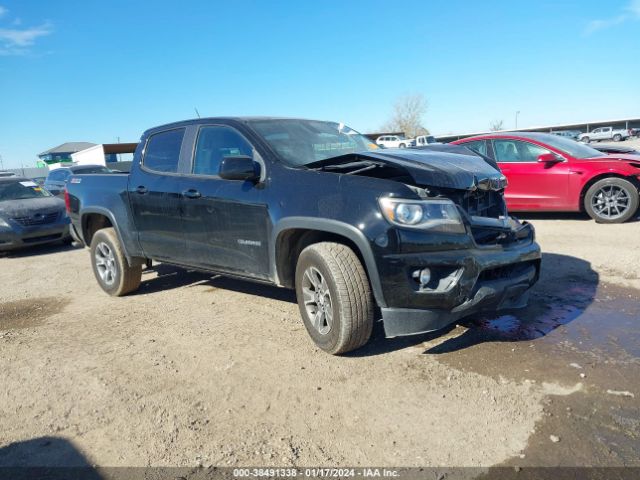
(363, 164)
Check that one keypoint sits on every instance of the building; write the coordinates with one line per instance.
(107, 154)
(61, 153)
(585, 127)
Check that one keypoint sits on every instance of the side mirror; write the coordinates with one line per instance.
(549, 158)
(241, 167)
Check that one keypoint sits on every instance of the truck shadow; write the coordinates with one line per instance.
(169, 276)
(47, 249)
(52, 458)
(578, 216)
(567, 287)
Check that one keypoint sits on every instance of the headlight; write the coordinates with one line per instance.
(436, 215)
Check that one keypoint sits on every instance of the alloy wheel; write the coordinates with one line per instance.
(106, 263)
(317, 300)
(611, 202)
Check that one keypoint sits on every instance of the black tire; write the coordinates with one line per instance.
(596, 197)
(123, 278)
(617, 137)
(585, 140)
(350, 302)
(402, 145)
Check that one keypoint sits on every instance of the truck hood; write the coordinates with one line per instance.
(435, 168)
(30, 206)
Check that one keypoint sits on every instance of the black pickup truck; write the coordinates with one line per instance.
(416, 238)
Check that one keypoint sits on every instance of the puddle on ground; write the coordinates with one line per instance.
(29, 313)
(571, 334)
(605, 321)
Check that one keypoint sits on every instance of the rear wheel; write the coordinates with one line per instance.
(110, 266)
(334, 297)
(611, 200)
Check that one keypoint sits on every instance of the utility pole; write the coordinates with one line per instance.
(517, 113)
(1, 163)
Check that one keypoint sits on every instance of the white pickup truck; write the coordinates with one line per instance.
(605, 133)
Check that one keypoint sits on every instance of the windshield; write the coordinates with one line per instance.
(300, 142)
(21, 190)
(572, 148)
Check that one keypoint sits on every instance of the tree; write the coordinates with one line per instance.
(408, 113)
(496, 125)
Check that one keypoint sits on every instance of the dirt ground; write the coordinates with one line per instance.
(194, 370)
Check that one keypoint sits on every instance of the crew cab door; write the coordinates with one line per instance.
(225, 222)
(155, 196)
(532, 185)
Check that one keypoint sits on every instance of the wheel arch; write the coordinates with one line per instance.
(94, 219)
(292, 235)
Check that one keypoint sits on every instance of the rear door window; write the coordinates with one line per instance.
(162, 151)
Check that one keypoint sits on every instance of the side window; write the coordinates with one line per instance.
(530, 152)
(215, 143)
(516, 151)
(506, 150)
(57, 176)
(479, 146)
(162, 151)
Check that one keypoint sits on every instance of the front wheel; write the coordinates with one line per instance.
(334, 297)
(402, 145)
(611, 200)
(617, 137)
(585, 139)
(110, 266)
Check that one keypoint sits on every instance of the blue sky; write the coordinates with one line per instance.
(88, 70)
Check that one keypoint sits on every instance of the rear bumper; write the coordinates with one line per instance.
(463, 282)
(23, 237)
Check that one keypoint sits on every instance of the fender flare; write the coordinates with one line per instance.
(338, 228)
(111, 217)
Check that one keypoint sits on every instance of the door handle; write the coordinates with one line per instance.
(191, 193)
(141, 190)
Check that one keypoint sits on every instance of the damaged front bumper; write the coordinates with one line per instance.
(463, 282)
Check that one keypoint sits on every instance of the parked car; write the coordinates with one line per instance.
(4, 173)
(551, 173)
(574, 134)
(613, 149)
(605, 133)
(29, 215)
(423, 140)
(57, 179)
(393, 141)
(634, 132)
(314, 206)
(39, 180)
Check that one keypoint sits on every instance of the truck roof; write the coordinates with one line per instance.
(192, 121)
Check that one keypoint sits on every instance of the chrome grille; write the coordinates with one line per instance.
(37, 219)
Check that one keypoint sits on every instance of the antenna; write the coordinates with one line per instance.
(197, 112)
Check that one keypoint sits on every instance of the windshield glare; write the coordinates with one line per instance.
(21, 190)
(572, 148)
(300, 142)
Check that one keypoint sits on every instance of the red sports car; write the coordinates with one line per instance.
(551, 173)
